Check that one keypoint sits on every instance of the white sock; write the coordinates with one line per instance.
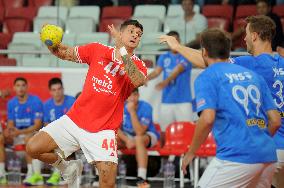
(56, 170)
(142, 173)
(61, 164)
(2, 169)
(30, 170)
(36, 166)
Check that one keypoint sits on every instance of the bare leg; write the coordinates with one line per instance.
(2, 150)
(107, 173)
(41, 146)
(141, 151)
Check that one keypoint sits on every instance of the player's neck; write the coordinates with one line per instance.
(188, 15)
(262, 48)
(216, 60)
(23, 99)
(59, 101)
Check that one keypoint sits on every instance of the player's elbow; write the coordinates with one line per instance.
(275, 121)
(208, 117)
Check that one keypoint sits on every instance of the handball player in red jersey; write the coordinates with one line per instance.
(93, 120)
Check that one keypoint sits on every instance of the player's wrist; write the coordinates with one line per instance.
(123, 51)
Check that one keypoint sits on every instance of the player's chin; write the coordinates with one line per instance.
(132, 45)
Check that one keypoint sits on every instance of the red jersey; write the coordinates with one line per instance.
(107, 86)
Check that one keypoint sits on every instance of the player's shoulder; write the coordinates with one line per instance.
(100, 46)
(48, 102)
(13, 101)
(34, 98)
(145, 105)
(236, 60)
(69, 98)
(138, 60)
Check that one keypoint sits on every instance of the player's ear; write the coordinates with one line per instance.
(204, 52)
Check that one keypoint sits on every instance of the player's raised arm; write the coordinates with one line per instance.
(137, 78)
(51, 36)
(64, 52)
(192, 55)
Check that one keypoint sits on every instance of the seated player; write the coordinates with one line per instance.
(24, 120)
(53, 109)
(138, 131)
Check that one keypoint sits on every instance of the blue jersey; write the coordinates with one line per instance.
(144, 113)
(178, 91)
(271, 67)
(241, 99)
(53, 112)
(23, 115)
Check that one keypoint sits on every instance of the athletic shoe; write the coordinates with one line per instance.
(62, 182)
(96, 182)
(72, 174)
(3, 180)
(141, 183)
(54, 179)
(35, 179)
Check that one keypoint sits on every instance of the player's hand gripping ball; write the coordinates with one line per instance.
(51, 35)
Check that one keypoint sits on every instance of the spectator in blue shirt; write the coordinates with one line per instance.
(54, 108)
(138, 131)
(24, 119)
(176, 92)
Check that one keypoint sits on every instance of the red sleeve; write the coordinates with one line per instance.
(141, 66)
(86, 52)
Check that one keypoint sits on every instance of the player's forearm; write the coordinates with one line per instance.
(10, 124)
(121, 135)
(174, 74)
(31, 129)
(274, 121)
(192, 55)
(64, 52)
(136, 124)
(153, 75)
(136, 77)
(202, 130)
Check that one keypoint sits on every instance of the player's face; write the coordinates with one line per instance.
(20, 88)
(57, 92)
(262, 8)
(248, 40)
(131, 36)
(187, 5)
(134, 97)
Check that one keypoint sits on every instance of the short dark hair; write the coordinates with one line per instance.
(54, 81)
(216, 42)
(20, 79)
(263, 26)
(173, 33)
(135, 90)
(264, 1)
(131, 22)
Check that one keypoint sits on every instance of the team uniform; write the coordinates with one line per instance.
(144, 113)
(271, 67)
(176, 97)
(24, 114)
(53, 112)
(92, 121)
(245, 151)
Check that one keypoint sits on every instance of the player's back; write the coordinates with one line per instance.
(240, 126)
(271, 67)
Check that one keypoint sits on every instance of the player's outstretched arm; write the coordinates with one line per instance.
(274, 121)
(202, 130)
(64, 52)
(192, 55)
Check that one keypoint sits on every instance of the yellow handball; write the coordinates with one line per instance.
(51, 35)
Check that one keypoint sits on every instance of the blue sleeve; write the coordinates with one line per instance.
(46, 117)
(244, 61)
(71, 102)
(160, 62)
(205, 92)
(268, 102)
(146, 118)
(37, 109)
(11, 114)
